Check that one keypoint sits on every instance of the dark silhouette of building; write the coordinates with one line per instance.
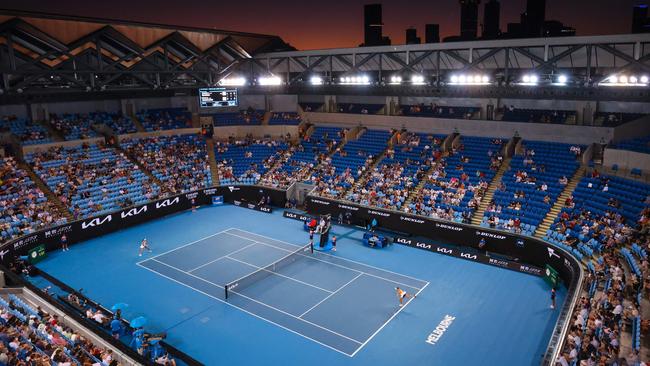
(412, 36)
(553, 28)
(431, 33)
(640, 20)
(469, 19)
(491, 19)
(535, 17)
(372, 26)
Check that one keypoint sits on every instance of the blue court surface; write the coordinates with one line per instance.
(289, 306)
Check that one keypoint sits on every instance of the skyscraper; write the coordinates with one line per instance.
(468, 19)
(639, 18)
(372, 26)
(412, 36)
(491, 19)
(535, 17)
(431, 33)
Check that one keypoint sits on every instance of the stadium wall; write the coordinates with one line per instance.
(626, 160)
(18, 110)
(530, 131)
(283, 103)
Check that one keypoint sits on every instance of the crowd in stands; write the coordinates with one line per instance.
(31, 336)
(457, 182)
(119, 123)
(246, 160)
(359, 108)
(512, 114)
(28, 132)
(180, 162)
(436, 111)
(613, 119)
(73, 126)
(311, 107)
(527, 191)
(284, 118)
(23, 206)
(93, 179)
(165, 119)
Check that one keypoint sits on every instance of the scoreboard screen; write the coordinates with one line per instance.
(218, 97)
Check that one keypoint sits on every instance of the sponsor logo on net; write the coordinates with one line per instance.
(133, 212)
(411, 219)
(440, 330)
(167, 202)
(96, 222)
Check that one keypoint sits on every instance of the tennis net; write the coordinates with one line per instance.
(268, 270)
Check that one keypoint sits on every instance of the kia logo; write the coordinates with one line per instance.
(96, 222)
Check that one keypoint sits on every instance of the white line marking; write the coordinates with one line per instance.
(388, 321)
(261, 303)
(188, 244)
(244, 310)
(277, 274)
(222, 257)
(330, 295)
(333, 264)
(329, 255)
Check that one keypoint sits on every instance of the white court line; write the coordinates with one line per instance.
(333, 264)
(330, 295)
(275, 273)
(261, 303)
(329, 255)
(246, 311)
(188, 244)
(222, 257)
(388, 321)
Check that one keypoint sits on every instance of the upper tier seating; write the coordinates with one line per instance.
(613, 119)
(246, 160)
(356, 108)
(180, 161)
(93, 179)
(23, 207)
(311, 107)
(532, 184)
(73, 126)
(28, 132)
(285, 118)
(432, 110)
(244, 117)
(512, 114)
(165, 119)
(639, 144)
(119, 123)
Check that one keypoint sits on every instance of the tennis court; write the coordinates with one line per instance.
(338, 303)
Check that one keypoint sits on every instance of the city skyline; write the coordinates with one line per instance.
(341, 25)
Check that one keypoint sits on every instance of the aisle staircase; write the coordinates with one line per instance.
(266, 118)
(61, 209)
(212, 160)
(559, 203)
(494, 185)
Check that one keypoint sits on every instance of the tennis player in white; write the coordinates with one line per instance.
(144, 245)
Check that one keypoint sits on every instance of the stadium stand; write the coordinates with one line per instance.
(28, 132)
(285, 118)
(73, 126)
(432, 110)
(512, 114)
(165, 119)
(535, 180)
(92, 179)
(639, 144)
(23, 207)
(311, 107)
(244, 117)
(119, 123)
(179, 162)
(356, 108)
(613, 119)
(246, 160)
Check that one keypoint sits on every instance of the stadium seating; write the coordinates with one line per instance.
(613, 119)
(245, 161)
(23, 207)
(311, 107)
(119, 123)
(523, 196)
(93, 179)
(539, 116)
(285, 118)
(73, 126)
(28, 132)
(431, 110)
(180, 161)
(639, 144)
(241, 118)
(165, 119)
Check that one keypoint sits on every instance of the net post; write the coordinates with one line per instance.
(311, 247)
(226, 291)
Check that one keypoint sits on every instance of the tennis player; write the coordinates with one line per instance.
(144, 245)
(334, 243)
(311, 238)
(401, 295)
